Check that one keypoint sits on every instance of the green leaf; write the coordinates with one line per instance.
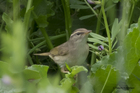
(115, 1)
(31, 74)
(42, 21)
(105, 79)
(41, 69)
(97, 41)
(133, 80)
(93, 47)
(4, 68)
(46, 10)
(8, 21)
(130, 50)
(67, 83)
(115, 29)
(86, 17)
(99, 37)
(75, 70)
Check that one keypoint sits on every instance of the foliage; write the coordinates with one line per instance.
(30, 26)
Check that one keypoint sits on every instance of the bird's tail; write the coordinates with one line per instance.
(42, 54)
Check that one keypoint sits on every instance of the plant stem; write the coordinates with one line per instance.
(106, 26)
(48, 41)
(27, 15)
(66, 8)
(132, 9)
(91, 8)
(16, 9)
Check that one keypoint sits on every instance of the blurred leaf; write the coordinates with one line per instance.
(47, 9)
(87, 87)
(115, 29)
(76, 70)
(105, 79)
(132, 26)
(115, 1)
(31, 75)
(8, 21)
(67, 83)
(133, 80)
(97, 41)
(86, 17)
(42, 13)
(41, 69)
(93, 47)
(99, 37)
(41, 20)
(4, 68)
(139, 24)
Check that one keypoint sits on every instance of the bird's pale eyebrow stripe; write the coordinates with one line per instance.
(77, 32)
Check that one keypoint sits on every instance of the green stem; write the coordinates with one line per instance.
(132, 9)
(106, 26)
(40, 44)
(91, 8)
(27, 15)
(66, 8)
(48, 41)
(16, 9)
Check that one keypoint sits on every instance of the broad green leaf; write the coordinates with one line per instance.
(132, 26)
(4, 68)
(92, 46)
(31, 74)
(97, 41)
(133, 80)
(99, 37)
(87, 87)
(105, 79)
(67, 83)
(42, 69)
(86, 17)
(130, 50)
(46, 10)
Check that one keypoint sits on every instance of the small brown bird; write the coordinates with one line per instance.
(73, 52)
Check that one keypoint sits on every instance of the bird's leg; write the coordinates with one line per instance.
(63, 70)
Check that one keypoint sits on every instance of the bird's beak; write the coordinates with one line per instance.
(88, 31)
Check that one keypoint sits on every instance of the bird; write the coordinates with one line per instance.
(73, 52)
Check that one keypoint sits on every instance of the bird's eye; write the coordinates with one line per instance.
(78, 33)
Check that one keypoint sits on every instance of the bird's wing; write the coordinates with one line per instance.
(60, 50)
